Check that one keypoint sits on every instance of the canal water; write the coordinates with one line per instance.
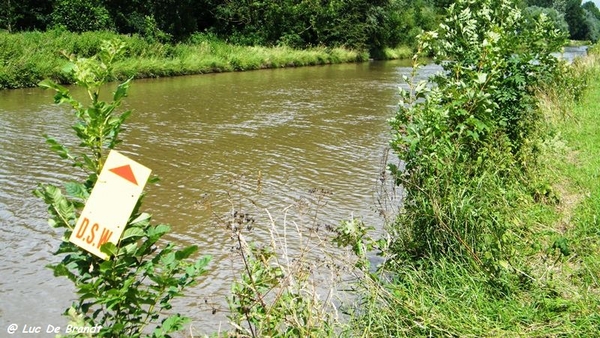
(307, 139)
(304, 146)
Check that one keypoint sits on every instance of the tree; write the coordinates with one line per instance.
(533, 13)
(575, 17)
(591, 7)
(18, 15)
(592, 19)
(81, 15)
(9, 15)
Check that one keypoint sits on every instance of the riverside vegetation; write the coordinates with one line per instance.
(486, 243)
(195, 37)
(200, 36)
(496, 235)
(33, 56)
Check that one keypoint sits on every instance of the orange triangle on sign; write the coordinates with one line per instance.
(125, 172)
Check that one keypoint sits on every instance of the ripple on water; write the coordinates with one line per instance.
(289, 142)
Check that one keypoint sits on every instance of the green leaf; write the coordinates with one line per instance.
(154, 179)
(186, 252)
(203, 262)
(171, 324)
(58, 148)
(168, 259)
(158, 231)
(89, 163)
(481, 78)
(128, 249)
(77, 190)
(132, 232)
(142, 220)
(49, 84)
(121, 91)
(109, 248)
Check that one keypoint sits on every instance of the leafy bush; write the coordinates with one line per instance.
(468, 138)
(81, 15)
(128, 293)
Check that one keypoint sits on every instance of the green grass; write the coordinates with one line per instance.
(581, 169)
(401, 52)
(578, 43)
(27, 58)
(551, 286)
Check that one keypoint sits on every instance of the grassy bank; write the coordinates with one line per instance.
(551, 285)
(27, 58)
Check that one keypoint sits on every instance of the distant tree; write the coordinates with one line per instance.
(591, 7)
(575, 17)
(18, 15)
(540, 3)
(592, 18)
(35, 14)
(593, 26)
(129, 16)
(560, 5)
(533, 12)
(353, 23)
(442, 4)
(8, 14)
(81, 15)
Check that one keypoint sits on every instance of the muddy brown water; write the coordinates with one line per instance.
(307, 139)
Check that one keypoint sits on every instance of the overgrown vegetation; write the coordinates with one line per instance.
(28, 58)
(357, 24)
(580, 21)
(471, 143)
(194, 37)
(485, 242)
(285, 283)
(296, 23)
(127, 294)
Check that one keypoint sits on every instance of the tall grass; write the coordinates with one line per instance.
(552, 282)
(27, 58)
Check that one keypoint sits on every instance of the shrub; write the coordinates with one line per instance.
(127, 293)
(467, 138)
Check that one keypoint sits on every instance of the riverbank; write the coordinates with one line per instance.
(550, 287)
(27, 58)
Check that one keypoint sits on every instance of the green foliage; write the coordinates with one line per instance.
(548, 285)
(592, 19)
(583, 21)
(370, 25)
(591, 7)
(575, 17)
(81, 15)
(24, 14)
(27, 58)
(532, 13)
(275, 295)
(468, 141)
(359, 24)
(128, 293)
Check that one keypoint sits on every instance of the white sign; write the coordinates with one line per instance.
(110, 204)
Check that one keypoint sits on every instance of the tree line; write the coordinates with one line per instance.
(364, 24)
(297, 23)
(581, 21)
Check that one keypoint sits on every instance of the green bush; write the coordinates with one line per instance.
(467, 139)
(81, 15)
(128, 293)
